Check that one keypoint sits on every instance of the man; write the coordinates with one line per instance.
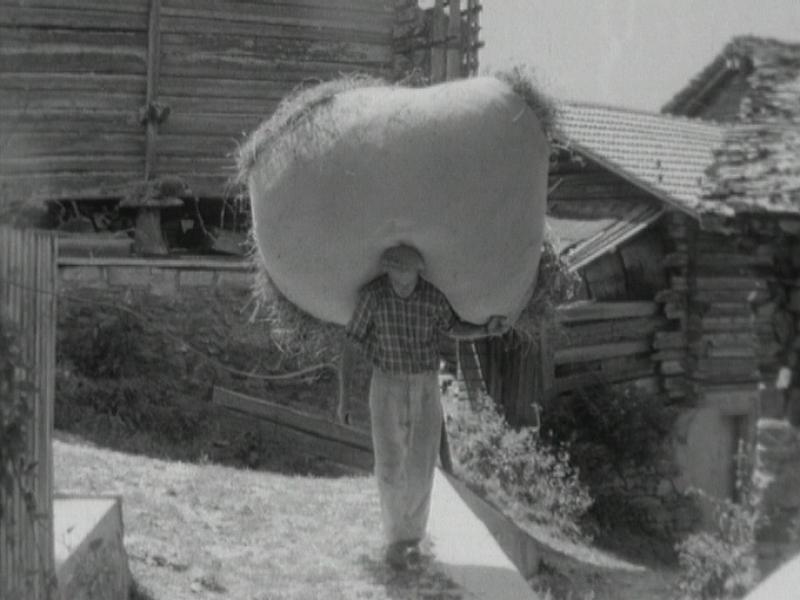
(396, 324)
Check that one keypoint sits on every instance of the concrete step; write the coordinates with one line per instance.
(91, 562)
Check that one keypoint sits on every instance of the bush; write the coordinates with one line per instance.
(619, 440)
(515, 469)
(720, 564)
(128, 405)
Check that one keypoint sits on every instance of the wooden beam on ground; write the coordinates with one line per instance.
(289, 418)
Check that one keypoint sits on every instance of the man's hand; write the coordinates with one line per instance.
(497, 325)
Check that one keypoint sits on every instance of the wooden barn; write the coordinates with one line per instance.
(753, 87)
(686, 236)
(98, 97)
(626, 189)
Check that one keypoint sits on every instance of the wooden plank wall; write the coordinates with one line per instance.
(226, 64)
(72, 80)
(606, 342)
(596, 343)
(720, 299)
(27, 296)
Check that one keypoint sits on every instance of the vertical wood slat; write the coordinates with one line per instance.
(438, 55)
(153, 68)
(5, 544)
(472, 37)
(547, 368)
(454, 41)
(27, 295)
(24, 274)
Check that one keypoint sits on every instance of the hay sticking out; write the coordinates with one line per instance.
(303, 340)
(299, 104)
(555, 284)
(543, 107)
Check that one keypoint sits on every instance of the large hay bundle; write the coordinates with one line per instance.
(345, 170)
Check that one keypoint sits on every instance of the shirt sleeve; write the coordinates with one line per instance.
(358, 328)
(446, 316)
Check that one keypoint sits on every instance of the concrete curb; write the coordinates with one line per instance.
(466, 551)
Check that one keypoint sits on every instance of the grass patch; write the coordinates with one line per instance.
(213, 531)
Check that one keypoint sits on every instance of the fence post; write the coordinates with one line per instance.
(27, 299)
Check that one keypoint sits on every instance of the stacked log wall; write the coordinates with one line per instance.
(606, 342)
(72, 80)
(76, 77)
(226, 65)
(778, 314)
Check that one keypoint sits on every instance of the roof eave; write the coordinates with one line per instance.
(631, 178)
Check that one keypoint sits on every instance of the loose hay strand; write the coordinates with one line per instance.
(298, 105)
(555, 284)
(303, 340)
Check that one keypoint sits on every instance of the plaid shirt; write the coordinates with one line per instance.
(400, 335)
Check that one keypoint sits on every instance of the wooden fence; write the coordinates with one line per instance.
(595, 343)
(28, 303)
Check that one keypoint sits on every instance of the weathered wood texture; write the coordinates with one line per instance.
(721, 300)
(595, 343)
(670, 344)
(27, 298)
(314, 435)
(75, 78)
(72, 80)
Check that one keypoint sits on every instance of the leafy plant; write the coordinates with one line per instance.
(720, 564)
(515, 469)
(16, 466)
(619, 441)
(15, 410)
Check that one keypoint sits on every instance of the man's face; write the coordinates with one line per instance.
(403, 280)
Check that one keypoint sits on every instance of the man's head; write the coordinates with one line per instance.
(403, 264)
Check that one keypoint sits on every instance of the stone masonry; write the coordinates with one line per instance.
(777, 479)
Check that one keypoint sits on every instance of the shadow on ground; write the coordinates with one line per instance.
(246, 451)
(137, 592)
(422, 581)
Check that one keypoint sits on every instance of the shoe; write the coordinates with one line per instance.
(413, 555)
(396, 555)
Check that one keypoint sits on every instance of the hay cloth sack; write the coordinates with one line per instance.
(457, 170)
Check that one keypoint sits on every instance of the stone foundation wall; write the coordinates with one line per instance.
(777, 478)
(158, 276)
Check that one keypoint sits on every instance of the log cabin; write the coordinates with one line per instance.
(685, 230)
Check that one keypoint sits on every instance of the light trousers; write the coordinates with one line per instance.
(406, 415)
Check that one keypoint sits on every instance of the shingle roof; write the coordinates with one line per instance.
(757, 167)
(664, 155)
(770, 92)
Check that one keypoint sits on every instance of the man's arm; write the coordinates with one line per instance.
(452, 326)
(358, 328)
(356, 338)
(463, 331)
